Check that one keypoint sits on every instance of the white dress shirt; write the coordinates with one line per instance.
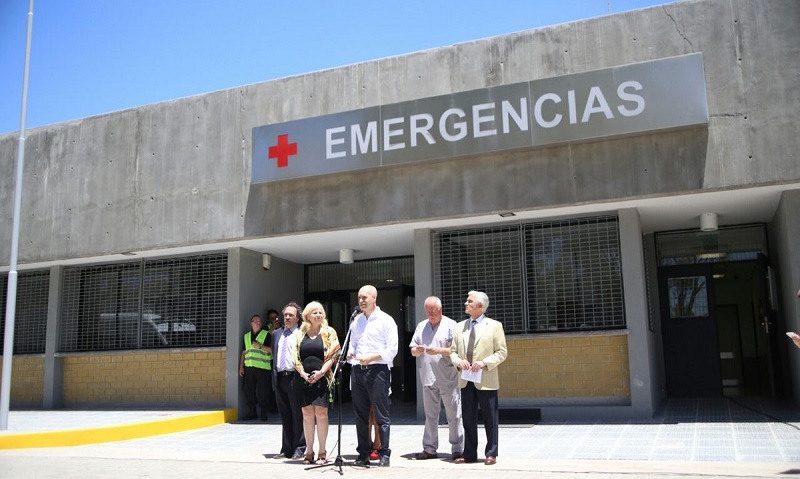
(374, 335)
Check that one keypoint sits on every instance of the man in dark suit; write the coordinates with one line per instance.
(293, 442)
(478, 348)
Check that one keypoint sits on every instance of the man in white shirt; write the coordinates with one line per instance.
(439, 378)
(372, 348)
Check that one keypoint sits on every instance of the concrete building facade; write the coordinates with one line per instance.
(625, 190)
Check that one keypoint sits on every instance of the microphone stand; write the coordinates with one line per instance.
(337, 379)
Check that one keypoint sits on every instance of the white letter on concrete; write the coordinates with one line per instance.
(573, 109)
(360, 142)
(520, 117)
(596, 95)
(330, 142)
(625, 96)
(477, 119)
(459, 126)
(424, 130)
(388, 134)
(537, 111)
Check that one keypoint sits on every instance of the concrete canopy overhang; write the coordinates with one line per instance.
(664, 213)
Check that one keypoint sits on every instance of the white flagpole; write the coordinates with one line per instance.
(11, 297)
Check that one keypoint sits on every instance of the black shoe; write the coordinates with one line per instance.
(249, 417)
(420, 456)
(362, 461)
(384, 461)
(264, 419)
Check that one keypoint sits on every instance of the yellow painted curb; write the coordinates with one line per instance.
(120, 432)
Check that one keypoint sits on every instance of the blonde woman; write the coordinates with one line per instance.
(317, 348)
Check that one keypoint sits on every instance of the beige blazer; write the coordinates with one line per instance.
(490, 347)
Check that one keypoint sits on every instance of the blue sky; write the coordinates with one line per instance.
(90, 57)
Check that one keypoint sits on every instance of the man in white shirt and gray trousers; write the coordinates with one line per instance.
(439, 378)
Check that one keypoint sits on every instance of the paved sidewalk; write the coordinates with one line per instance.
(689, 438)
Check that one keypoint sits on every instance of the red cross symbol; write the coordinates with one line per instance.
(282, 151)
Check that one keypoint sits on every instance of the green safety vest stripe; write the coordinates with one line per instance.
(256, 358)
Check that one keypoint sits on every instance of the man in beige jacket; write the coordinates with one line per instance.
(478, 348)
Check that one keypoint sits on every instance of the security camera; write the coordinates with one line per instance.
(266, 261)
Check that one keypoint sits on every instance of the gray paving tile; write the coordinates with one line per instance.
(684, 430)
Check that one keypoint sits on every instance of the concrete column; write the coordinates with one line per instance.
(423, 287)
(233, 329)
(640, 338)
(52, 397)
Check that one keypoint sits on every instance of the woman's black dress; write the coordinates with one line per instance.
(311, 353)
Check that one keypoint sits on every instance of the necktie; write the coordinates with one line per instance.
(471, 342)
(285, 364)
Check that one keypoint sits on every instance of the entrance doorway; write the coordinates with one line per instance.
(718, 329)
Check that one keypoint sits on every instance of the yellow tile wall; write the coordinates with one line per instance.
(27, 381)
(162, 377)
(566, 366)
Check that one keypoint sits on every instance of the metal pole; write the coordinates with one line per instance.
(11, 297)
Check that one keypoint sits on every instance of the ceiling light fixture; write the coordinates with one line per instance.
(345, 256)
(709, 222)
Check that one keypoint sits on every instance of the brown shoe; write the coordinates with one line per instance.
(490, 460)
(463, 460)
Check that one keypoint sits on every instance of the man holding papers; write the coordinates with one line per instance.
(431, 346)
(478, 348)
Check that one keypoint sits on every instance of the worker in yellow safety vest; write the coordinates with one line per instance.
(255, 367)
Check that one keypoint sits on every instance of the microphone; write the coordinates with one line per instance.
(355, 313)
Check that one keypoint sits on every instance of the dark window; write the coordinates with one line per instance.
(30, 311)
(175, 302)
(381, 272)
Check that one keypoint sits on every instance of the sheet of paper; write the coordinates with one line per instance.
(472, 376)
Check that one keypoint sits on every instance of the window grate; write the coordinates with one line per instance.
(486, 259)
(100, 307)
(184, 302)
(30, 312)
(575, 275)
(174, 302)
(550, 276)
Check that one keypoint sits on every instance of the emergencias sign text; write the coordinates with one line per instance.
(631, 99)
